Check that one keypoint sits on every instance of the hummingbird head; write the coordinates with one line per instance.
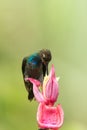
(46, 56)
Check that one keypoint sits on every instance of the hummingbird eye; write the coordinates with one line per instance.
(44, 56)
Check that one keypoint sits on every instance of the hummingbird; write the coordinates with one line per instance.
(35, 66)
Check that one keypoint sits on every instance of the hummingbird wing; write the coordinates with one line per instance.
(23, 65)
(28, 85)
(32, 67)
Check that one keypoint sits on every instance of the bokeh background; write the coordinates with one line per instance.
(28, 26)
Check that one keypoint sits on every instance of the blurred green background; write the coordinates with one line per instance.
(28, 26)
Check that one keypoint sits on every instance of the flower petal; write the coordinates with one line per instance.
(50, 117)
(38, 95)
(50, 90)
(55, 91)
(37, 82)
(52, 72)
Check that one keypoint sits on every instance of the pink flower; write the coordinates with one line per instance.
(50, 88)
(49, 116)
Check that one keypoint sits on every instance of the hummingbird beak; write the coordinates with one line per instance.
(45, 69)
